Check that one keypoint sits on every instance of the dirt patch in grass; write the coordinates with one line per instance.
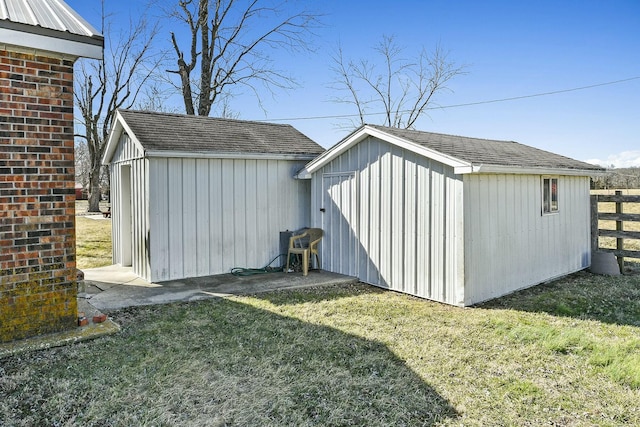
(347, 355)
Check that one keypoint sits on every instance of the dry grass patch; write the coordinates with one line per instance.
(559, 354)
(82, 206)
(93, 242)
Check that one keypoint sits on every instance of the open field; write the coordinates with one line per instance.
(610, 242)
(564, 354)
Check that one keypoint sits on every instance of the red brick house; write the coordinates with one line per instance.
(39, 43)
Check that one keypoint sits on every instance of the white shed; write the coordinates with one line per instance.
(453, 219)
(196, 196)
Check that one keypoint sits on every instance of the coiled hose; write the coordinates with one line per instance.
(239, 271)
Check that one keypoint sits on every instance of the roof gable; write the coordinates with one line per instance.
(464, 154)
(162, 134)
(49, 25)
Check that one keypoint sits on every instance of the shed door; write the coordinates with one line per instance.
(340, 223)
(126, 241)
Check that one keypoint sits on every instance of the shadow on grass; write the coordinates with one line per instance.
(218, 362)
(317, 294)
(580, 295)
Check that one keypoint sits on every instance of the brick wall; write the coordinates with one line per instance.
(37, 204)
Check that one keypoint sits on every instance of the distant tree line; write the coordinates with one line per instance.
(622, 178)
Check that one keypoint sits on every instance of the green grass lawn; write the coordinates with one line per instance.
(564, 354)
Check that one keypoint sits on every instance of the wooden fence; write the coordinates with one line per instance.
(620, 217)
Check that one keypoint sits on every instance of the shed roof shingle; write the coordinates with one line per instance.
(488, 152)
(196, 134)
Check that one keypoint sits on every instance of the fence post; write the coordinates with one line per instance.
(594, 224)
(619, 240)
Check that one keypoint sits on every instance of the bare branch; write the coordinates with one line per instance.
(228, 39)
(111, 83)
(402, 89)
(345, 81)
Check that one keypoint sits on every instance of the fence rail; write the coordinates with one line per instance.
(620, 234)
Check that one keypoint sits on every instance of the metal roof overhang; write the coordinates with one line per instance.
(29, 37)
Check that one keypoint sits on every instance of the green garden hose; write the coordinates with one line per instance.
(238, 271)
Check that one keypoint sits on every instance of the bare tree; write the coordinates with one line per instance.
(398, 88)
(155, 97)
(229, 40)
(82, 163)
(83, 167)
(111, 83)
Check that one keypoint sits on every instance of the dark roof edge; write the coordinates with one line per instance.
(594, 167)
(157, 113)
(445, 134)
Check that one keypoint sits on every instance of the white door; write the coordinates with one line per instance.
(340, 223)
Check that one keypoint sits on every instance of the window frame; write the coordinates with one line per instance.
(548, 195)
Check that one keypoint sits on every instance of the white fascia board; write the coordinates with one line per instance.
(334, 151)
(119, 126)
(498, 169)
(365, 131)
(303, 174)
(41, 45)
(219, 155)
(112, 141)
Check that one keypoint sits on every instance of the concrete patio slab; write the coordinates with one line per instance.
(114, 275)
(115, 287)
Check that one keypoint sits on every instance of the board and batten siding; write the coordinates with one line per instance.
(392, 218)
(210, 215)
(129, 207)
(510, 244)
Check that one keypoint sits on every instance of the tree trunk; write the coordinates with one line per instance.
(94, 195)
(94, 186)
(229, 41)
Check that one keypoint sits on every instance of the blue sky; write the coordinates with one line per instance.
(511, 49)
